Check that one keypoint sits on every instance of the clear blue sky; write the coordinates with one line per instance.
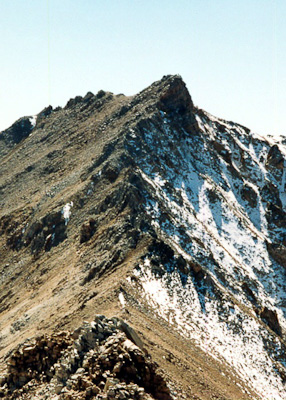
(231, 54)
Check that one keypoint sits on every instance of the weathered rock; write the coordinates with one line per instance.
(249, 292)
(110, 172)
(196, 268)
(87, 230)
(17, 132)
(100, 359)
(271, 319)
(222, 151)
(175, 98)
(278, 252)
(130, 333)
(275, 158)
(249, 194)
(270, 193)
(44, 233)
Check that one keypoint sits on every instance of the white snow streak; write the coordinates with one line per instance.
(33, 120)
(122, 299)
(66, 211)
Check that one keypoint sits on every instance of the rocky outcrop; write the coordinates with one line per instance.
(20, 130)
(38, 235)
(278, 252)
(104, 359)
(222, 151)
(275, 158)
(87, 230)
(175, 99)
(249, 194)
(271, 319)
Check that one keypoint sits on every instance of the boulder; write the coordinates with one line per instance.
(87, 230)
(271, 319)
(248, 194)
(278, 253)
(275, 158)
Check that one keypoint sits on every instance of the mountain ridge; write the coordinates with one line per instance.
(149, 208)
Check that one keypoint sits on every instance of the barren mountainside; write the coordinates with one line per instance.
(142, 252)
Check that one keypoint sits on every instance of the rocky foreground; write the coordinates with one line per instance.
(104, 359)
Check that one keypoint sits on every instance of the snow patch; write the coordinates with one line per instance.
(122, 299)
(33, 120)
(226, 334)
(66, 211)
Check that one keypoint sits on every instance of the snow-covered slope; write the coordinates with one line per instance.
(216, 195)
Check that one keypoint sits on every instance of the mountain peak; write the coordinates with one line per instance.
(175, 96)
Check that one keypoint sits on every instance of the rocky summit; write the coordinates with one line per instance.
(143, 252)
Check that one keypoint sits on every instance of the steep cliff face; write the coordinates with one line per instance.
(152, 209)
(217, 199)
